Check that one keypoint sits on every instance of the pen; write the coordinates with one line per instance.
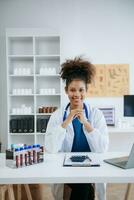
(89, 159)
(95, 165)
(84, 165)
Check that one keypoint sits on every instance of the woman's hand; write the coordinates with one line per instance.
(73, 114)
(80, 115)
(84, 121)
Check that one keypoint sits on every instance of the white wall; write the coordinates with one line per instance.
(101, 30)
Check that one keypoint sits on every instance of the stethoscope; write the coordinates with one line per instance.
(85, 108)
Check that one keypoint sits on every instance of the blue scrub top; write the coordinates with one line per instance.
(80, 143)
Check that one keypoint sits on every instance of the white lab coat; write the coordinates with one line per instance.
(58, 139)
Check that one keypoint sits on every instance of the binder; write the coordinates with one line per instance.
(38, 125)
(14, 126)
(20, 125)
(31, 125)
(25, 125)
(10, 125)
(43, 125)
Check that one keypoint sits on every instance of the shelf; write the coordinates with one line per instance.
(50, 57)
(20, 45)
(11, 114)
(23, 95)
(42, 134)
(49, 45)
(46, 101)
(12, 75)
(22, 134)
(20, 56)
(49, 84)
(43, 114)
(19, 85)
(45, 63)
(20, 65)
(49, 75)
(41, 95)
(33, 81)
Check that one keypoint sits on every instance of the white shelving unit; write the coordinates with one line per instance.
(33, 81)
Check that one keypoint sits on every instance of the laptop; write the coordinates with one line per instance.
(126, 162)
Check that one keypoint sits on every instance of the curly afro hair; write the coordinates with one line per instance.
(77, 69)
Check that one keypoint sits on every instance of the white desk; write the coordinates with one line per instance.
(52, 171)
(120, 130)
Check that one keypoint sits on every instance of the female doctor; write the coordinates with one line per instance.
(77, 127)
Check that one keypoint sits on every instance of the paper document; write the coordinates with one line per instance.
(79, 161)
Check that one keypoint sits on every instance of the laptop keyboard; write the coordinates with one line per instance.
(123, 163)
